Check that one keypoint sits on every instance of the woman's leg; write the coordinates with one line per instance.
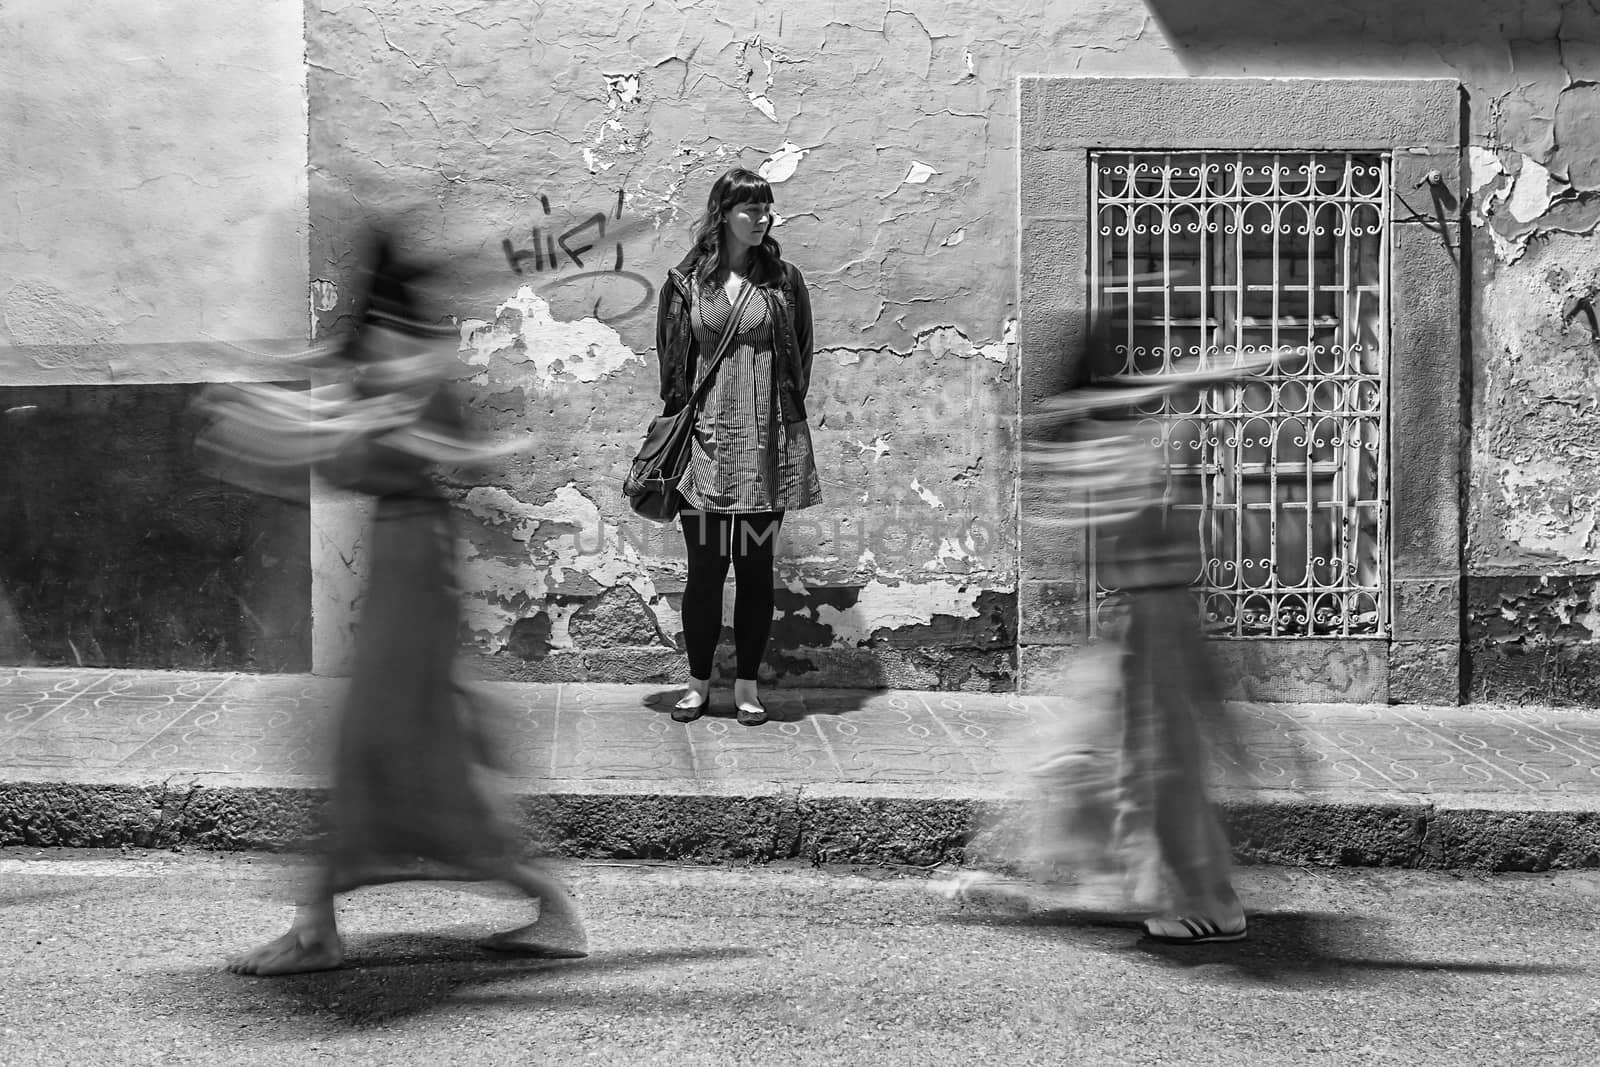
(705, 539)
(755, 541)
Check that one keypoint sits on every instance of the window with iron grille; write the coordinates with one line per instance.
(1207, 258)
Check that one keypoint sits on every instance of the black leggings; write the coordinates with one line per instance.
(715, 539)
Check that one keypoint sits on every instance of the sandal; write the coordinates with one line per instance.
(1192, 930)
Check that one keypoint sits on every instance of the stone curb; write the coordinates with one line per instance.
(891, 823)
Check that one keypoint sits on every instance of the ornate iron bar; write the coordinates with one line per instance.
(1201, 257)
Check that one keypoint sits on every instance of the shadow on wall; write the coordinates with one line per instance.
(797, 644)
(824, 638)
(1318, 33)
(821, 638)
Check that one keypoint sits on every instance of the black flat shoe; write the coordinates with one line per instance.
(684, 712)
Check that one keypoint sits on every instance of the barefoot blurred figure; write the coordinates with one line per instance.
(415, 750)
(1116, 803)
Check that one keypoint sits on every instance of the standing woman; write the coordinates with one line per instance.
(751, 458)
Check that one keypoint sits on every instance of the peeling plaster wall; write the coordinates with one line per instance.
(1532, 168)
(557, 157)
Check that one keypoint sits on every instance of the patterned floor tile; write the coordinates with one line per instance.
(164, 723)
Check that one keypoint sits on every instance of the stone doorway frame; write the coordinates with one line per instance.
(1417, 120)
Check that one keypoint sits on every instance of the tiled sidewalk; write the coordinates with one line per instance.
(131, 726)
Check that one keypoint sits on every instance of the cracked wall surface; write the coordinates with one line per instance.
(1529, 73)
(554, 158)
(527, 142)
(558, 157)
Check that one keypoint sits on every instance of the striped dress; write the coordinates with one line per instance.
(744, 459)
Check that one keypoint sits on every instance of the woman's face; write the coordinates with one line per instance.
(746, 224)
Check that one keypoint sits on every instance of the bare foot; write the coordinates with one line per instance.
(299, 951)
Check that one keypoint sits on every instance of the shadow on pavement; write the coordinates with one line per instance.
(1288, 947)
(393, 977)
(1284, 947)
(782, 705)
(14, 897)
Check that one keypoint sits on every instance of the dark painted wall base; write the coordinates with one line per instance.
(1528, 639)
(118, 550)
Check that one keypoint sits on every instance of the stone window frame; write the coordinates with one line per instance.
(1418, 122)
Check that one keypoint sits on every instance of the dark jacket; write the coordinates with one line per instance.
(789, 305)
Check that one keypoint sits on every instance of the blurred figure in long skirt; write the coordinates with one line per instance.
(1117, 805)
(415, 764)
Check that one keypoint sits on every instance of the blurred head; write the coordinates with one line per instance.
(396, 347)
(738, 216)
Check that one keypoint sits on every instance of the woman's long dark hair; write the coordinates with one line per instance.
(738, 186)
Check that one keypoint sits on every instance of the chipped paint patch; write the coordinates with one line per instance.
(781, 165)
(940, 341)
(1531, 193)
(1000, 351)
(1541, 503)
(927, 496)
(542, 351)
(324, 295)
(624, 90)
(761, 98)
(917, 173)
(1484, 166)
(877, 447)
(881, 606)
(1509, 250)
(955, 554)
(570, 546)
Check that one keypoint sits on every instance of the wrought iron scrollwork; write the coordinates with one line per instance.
(1203, 260)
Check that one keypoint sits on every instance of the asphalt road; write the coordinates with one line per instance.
(115, 958)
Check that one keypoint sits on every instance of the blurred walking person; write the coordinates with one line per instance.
(1118, 801)
(415, 751)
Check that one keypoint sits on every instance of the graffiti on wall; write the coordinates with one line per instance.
(584, 262)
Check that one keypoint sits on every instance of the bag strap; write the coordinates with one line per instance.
(722, 346)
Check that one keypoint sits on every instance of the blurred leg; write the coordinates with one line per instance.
(558, 932)
(1169, 686)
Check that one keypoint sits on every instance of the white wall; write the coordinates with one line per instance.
(152, 188)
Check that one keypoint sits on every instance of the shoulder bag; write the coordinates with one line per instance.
(652, 482)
